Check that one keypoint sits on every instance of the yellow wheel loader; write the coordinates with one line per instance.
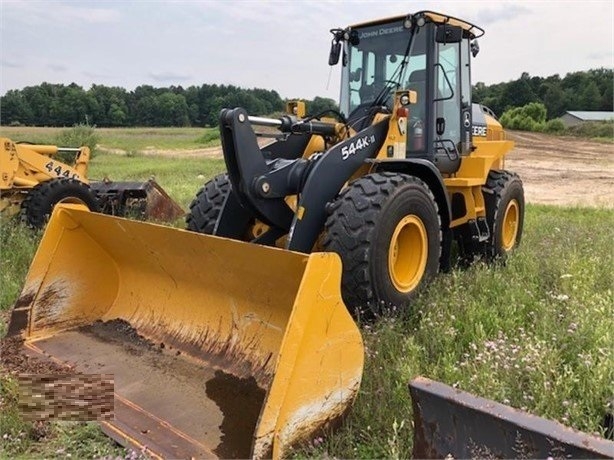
(412, 167)
(33, 180)
(236, 338)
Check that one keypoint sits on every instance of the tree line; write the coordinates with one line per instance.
(50, 104)
(589, 90)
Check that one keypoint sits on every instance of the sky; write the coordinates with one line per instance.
(280, 45)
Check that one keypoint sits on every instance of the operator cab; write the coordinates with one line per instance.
(426, 52)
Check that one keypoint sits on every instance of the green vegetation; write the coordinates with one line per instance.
(594, 130)
(66, 105)
(209, 137)
(555, 126)
(585, 90)
(532, 117)
(535, 333)
(128, 140)
(181, 177)
(141, 139)
(77, 136)
(17, 247)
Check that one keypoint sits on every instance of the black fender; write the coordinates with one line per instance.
(427, 172)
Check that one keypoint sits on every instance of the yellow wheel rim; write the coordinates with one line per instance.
(407, 254)
(509, 229)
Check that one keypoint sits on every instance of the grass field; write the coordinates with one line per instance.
(132, 140)
(536, 333)
(181, 177)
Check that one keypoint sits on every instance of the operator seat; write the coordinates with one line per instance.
(417, 83)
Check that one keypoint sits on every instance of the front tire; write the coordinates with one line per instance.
(210, 207)
(387, 230)
(206, 207)
(40, 201)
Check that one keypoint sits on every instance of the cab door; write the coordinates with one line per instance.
(452, 102)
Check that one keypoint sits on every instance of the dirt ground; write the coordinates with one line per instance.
(15, 362)
(563, 170)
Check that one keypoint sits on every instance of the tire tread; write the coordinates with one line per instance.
(350, 227)
(39, 202)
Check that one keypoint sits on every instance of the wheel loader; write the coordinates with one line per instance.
(238, 337)
(33, 180)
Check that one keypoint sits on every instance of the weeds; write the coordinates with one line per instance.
(78, 136)
(182, 178)
(596, 129)
(535, 334)
(17, 246)
(123, 139)
(210, 137)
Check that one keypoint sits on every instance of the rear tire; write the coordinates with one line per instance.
(504, 199)
(206, 207)
(40, 201)
(387, 230)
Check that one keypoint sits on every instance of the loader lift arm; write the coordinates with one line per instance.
(261, 185)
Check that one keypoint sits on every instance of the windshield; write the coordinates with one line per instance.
(378, 59)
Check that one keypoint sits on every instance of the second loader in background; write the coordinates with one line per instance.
(241, 342)
(33, 180)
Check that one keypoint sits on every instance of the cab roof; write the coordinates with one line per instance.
(438, 18)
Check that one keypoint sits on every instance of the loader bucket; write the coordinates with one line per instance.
(218, 348)
(452, 423)
(146, 200)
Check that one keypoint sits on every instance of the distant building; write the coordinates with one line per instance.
(575, 118)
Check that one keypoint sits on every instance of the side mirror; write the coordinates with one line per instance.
(335, 51)
(475, 48)
(447, 33)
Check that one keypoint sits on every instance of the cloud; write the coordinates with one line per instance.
(599, 56)
(90, 15)
(96, 75)
(57, 67)
(244, 11)
(59, 12)
(10, 64)
(505, 12)
(168, 76)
